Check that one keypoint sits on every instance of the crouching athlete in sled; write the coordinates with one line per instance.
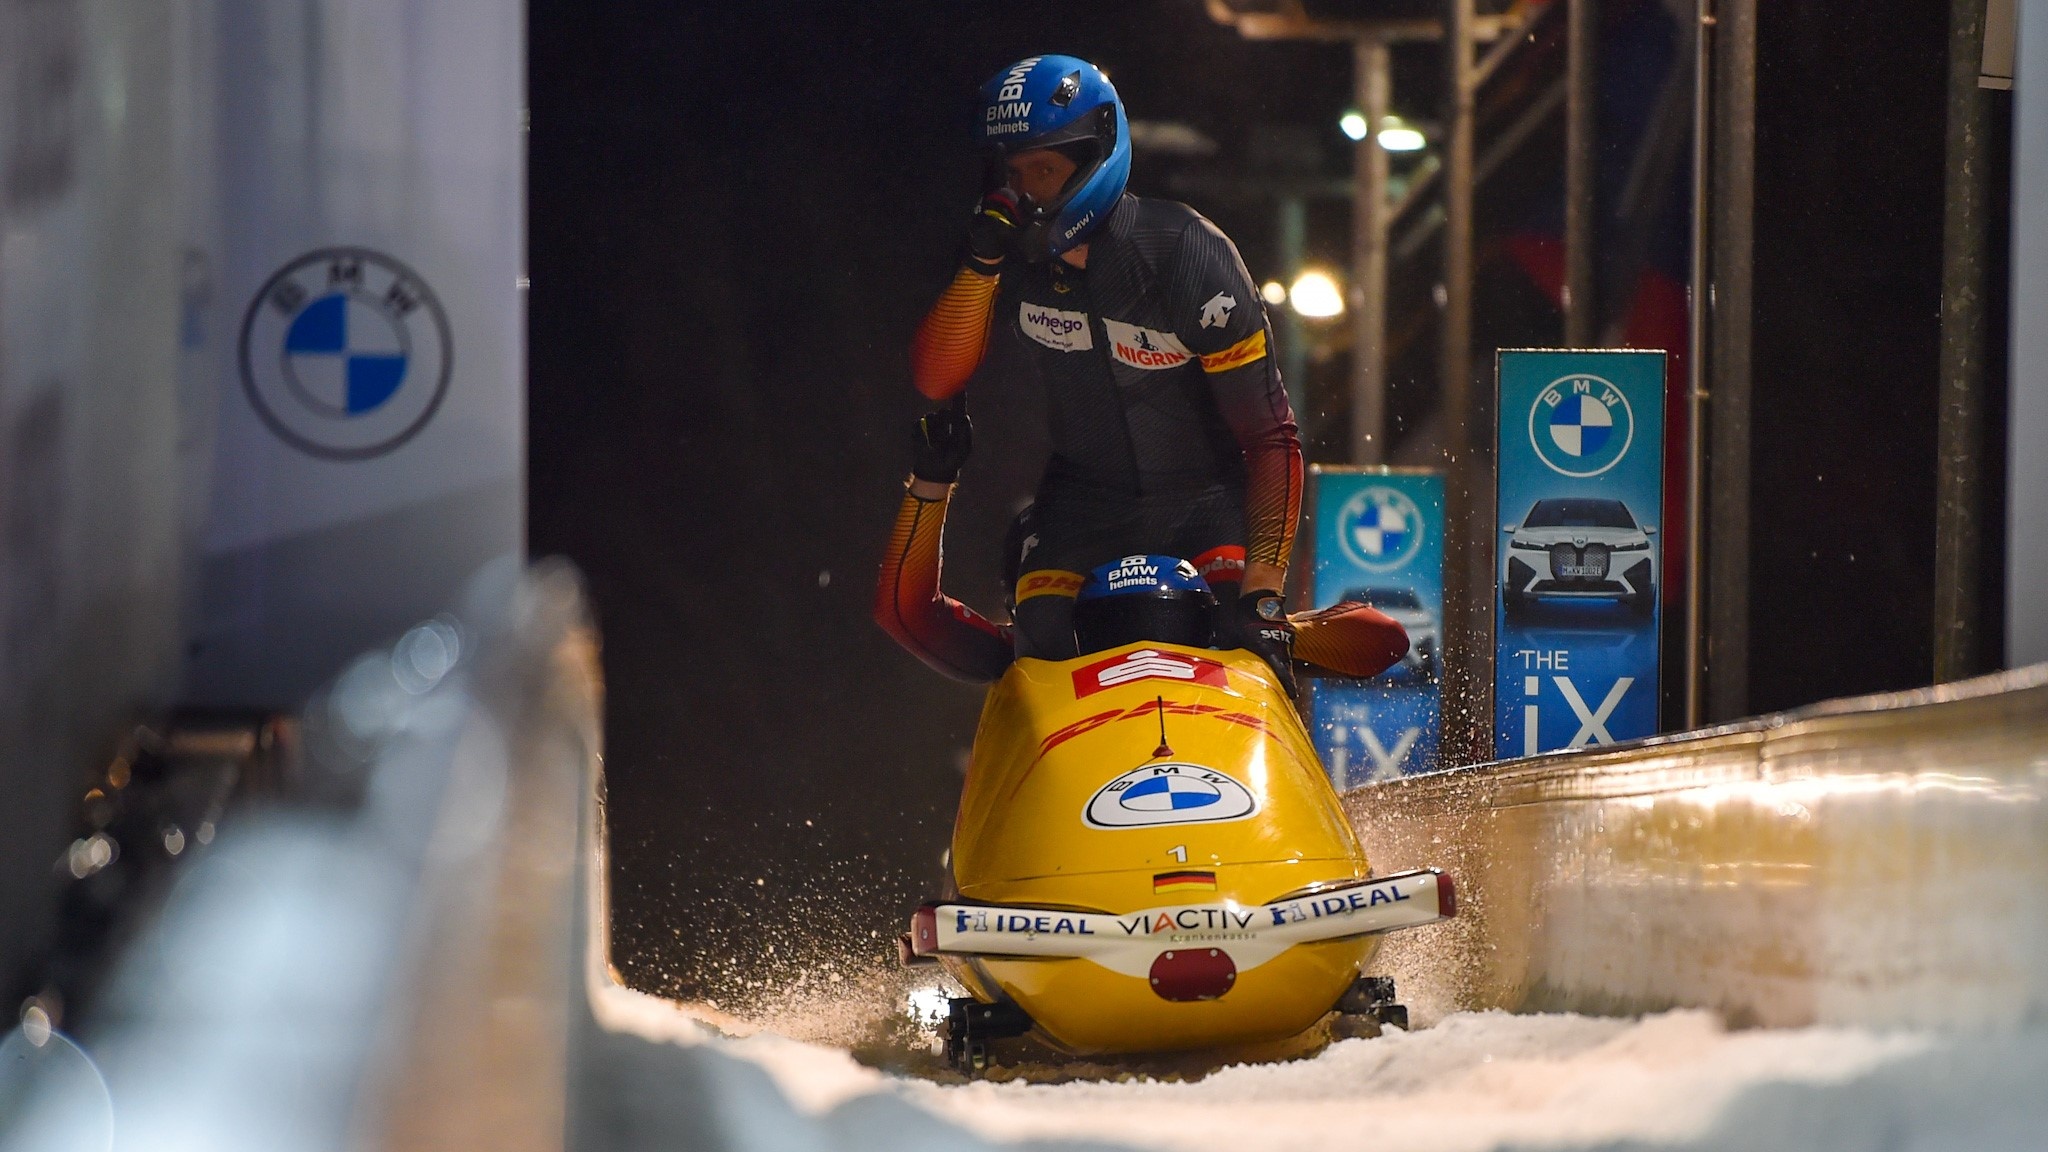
(1170, 428)
(1177, 606)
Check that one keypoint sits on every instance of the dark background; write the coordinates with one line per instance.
(739, 215)
(1850, 138)
(740, 212)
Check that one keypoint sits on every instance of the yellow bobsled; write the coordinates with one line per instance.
(1148, 857)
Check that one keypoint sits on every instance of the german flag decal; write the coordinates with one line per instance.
(1184, 882)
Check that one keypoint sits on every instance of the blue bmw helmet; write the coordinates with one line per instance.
(1155, 599)
(1063, 102)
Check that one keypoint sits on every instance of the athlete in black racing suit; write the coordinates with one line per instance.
(1170, 428)
(1171, 431)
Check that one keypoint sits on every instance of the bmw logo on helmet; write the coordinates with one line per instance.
(1379, 528)
(1067, 103)
(1581, 425)
(345, 353)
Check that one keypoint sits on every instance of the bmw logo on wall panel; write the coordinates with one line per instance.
(345, 353)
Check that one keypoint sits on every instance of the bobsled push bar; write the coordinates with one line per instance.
(1128, 943)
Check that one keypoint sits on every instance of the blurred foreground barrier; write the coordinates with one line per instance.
(646, 1074)
(1873, 861)
(380, 956)
(408, 949)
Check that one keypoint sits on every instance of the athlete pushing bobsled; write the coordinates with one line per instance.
(1148, 854)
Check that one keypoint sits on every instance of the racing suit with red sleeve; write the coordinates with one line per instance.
(951, 638)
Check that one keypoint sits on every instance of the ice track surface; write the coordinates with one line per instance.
(1876, 863)
(1474, 1081)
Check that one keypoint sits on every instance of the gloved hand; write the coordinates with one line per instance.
(1262, 627)
(993, 231)
(941, 443)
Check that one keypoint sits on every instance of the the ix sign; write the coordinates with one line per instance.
(1579, 559)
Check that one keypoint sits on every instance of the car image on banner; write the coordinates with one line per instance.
(1577, 565)
(1578, 547)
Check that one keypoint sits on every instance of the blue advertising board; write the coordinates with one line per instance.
(1578, 562)
(1378, 538)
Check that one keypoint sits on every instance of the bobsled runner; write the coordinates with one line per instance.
(1149, 857)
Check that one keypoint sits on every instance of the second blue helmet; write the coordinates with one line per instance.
(1143, 599)
(1064, 102)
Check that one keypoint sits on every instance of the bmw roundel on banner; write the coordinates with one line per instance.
(1579, 561)
(1380, 528)
(369, 216)
(345, 353)
(1581, 425)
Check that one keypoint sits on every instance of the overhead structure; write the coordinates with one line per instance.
(1962, 647)
(1723, 272)
(1389, 21)
(1581, 64)
(1370, 223)
(1372, 26)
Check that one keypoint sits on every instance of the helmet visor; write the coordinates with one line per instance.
(1085, 143)
(1112, 621)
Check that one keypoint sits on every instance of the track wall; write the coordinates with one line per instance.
(105, 412)
(1873, 861)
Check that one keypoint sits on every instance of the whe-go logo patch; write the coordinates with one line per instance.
(1056, 328)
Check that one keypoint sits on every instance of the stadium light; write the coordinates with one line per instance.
(1273, 292)
(1396, 136)
(1315, 296)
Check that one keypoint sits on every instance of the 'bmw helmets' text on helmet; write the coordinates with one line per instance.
(1066, 103)
(1155, 599)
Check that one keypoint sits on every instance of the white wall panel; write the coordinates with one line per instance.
(104, 215)
(391, 129)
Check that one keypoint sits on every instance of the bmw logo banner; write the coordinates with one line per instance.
(1378, 538)
(361, 316)
(1579, 558)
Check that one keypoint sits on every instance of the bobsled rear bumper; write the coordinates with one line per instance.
(1129, 942)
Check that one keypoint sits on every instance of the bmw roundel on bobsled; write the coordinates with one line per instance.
(1148, 855)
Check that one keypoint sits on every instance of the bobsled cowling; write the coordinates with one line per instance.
(1148, 856)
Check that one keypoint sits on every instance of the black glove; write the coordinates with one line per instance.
(1263, 628)
(941, 443)
(993, 232)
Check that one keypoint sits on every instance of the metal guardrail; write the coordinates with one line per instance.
(1871, 861)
